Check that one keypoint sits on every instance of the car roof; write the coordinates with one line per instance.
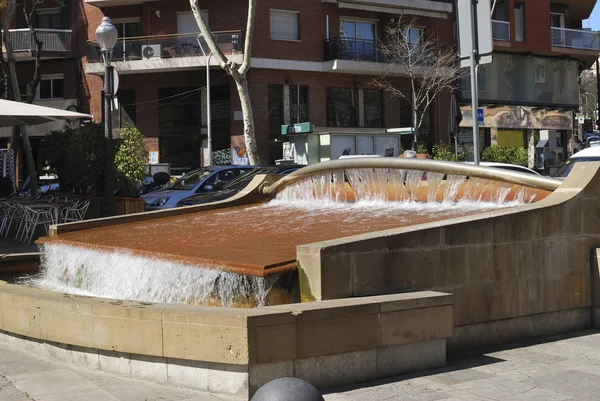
(594, 151)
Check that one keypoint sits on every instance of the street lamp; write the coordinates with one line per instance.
(106, 36)
(203, 43)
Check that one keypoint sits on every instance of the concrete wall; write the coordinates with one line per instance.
(232, 351)
(530, 263)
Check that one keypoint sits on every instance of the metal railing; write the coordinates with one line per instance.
(501, 30)
(167, 46)
(55, 40)
(352, 49)
(574, 39)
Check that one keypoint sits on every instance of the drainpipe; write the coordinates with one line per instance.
(327, 26)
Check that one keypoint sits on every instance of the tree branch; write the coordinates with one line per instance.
(209, 37)
(249, 34)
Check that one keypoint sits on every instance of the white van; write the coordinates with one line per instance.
(591, 154)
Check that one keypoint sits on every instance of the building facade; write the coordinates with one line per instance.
(58, 24)
(312, 61)
(530, 91)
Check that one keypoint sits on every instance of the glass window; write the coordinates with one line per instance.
(413, 36)
(51, 87)
(406, 110)
(373, 108)
(358, 40)
(49, 18)
(284, 25)
(299, 103)
(189, 181)
(519, 22)
(127, 48)
(342, 107)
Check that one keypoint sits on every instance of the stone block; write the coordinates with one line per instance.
(67, 327)
(413, 300)
(399, 271)
(20, 319)
(84, 357)
(135, 336)
(505, 299)
(149, 368)
(229, 379)
(185, 373)
(528, 259)
(408, 326)
(118, 363)
(52, 351)
(208, 343)
(416, 239)
(203, 315)
(454, 261)
(336, 276)
(480, 264)
(339, 369)
(505, 264)
(128, 310)
(276, 343)
(309, 272)
(332, 309)
(334, 336)
(529, 296)
(263, 373)
(408, 358)
(467, 233)
(369, 274)
(591, 226)
(523, 226)
(271, 315)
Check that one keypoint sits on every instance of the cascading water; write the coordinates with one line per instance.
(119, 275)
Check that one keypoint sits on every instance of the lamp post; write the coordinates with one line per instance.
(106, 36)
(202, 43)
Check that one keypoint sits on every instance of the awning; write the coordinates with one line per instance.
(542, 144)
(424, 8)
(19, 113)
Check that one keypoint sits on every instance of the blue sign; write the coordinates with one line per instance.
(480, 116)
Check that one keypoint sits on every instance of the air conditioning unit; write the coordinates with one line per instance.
(149, 51)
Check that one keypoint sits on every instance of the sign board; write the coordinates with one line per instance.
(153, 157)
(580, 120)
(300, 128)
(480, 118)
(465, 31)
(400, 131)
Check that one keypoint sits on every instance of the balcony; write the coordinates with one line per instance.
(501, 30)
(166, 47)
(55, 40)
(352, 49)
(574, 39)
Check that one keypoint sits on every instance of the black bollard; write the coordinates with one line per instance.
(288, 389)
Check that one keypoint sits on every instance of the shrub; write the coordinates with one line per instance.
(77, 157)
(422, 148)
(506, 154)
(442, 152)
(129, 161)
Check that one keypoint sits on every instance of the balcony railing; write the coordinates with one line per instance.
(574, 39)
(501, 30)
(55, 40)
(167, 46)
(352, 49)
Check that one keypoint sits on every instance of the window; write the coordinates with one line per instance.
(358, 40)
(187, 27)
(51, 87)
(342, 107)
(540, 74)
(519, 37)
(49, 18)
(127, 28)
(406, 116)
(373, 108)
(298, 103)
(284, 25)
(413, 36)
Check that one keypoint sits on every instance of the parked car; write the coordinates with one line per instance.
(591, 154)
(506, 166)
(236, 185)
(200, 181)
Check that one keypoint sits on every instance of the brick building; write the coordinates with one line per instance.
(531, 89)
(59, 24)
(311, 61)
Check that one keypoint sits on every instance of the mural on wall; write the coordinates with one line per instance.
(520, 117)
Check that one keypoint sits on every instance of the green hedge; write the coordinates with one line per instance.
(506, 154)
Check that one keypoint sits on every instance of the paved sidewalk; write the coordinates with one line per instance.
(553, 369)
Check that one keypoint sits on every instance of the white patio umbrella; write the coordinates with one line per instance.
(17, 113)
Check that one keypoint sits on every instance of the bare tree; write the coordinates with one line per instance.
(237, 72)
(11, 80)
(588, 93)
(430, 65)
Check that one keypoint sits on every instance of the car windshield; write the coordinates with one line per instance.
(189, 181)
(566, 168)
(240, 182)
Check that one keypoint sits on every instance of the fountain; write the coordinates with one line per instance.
(374, 265)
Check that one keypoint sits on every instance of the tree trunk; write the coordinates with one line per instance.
(242, 87)
(416, 129)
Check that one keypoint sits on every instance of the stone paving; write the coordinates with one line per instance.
(552, 369)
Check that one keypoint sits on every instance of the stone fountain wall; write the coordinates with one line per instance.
(514, 273)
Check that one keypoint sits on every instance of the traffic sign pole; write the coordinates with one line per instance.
(474, 91)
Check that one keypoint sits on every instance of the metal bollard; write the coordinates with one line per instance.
(288, 389)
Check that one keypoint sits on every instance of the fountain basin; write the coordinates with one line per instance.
(232, 351)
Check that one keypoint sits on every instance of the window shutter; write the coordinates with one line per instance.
(284, 25)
